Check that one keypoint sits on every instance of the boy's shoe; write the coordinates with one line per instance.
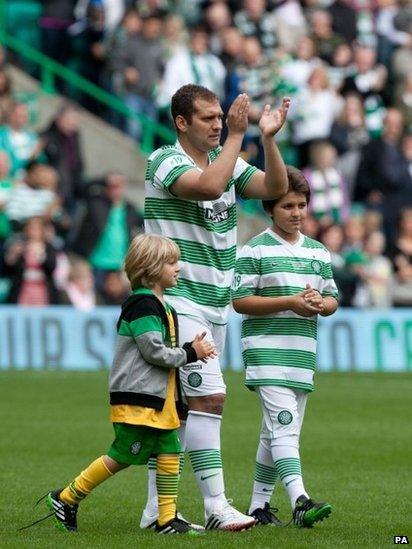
(65, 515)
(149, 521)
(266, 516)
(228, 518)
(307, 512)
(177, 526)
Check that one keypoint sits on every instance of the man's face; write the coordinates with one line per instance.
(206, 126)
(19, 116)
(289, 213)
(115, 187)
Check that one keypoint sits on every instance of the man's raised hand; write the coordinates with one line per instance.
(237, 117)
(273, 119)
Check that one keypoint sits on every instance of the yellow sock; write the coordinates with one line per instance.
(167, 479)
(95, 474)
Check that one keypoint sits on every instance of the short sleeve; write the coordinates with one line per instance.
(167, 166)
(329, 288)
(247, 273)
(242, 175)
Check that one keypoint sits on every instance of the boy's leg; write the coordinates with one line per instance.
(282, 419)
(151, 511)
(167, 479)
(167, 449)
(265, 481)
(97, 472)
(283, 412)
(64, 502)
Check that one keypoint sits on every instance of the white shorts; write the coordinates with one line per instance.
(283, 411)
(200, 378)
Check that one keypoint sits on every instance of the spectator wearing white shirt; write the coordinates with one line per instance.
(34, 196)
(195, 65)
(313, 112)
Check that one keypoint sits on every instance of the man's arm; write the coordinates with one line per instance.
(211, 183)
(273, 182)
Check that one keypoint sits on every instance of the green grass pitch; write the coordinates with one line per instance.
(356, 452)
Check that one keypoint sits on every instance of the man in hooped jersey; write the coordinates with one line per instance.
(191, 190)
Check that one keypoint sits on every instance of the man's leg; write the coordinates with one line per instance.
(205, 391)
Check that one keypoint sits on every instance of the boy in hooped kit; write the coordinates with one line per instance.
(143, 386)
(283, 281)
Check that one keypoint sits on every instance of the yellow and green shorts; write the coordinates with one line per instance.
(135, 444)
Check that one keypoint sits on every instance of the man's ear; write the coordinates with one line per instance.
(181, 123)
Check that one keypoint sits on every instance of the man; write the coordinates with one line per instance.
(194, 63)
(191, 189)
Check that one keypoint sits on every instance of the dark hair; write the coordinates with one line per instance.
(297, 183)
(183, 100)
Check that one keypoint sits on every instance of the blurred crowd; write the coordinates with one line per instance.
(63, 238)
(346, 64)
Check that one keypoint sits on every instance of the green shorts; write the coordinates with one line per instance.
(135, 444)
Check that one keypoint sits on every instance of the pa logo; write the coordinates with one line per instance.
(135, 447)
(194, 379)
(401, 539)
(285, 417)
(316, 266)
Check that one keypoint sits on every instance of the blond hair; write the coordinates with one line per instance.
(146, 257)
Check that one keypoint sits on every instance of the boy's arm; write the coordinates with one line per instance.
(245, 286)
(330, 295)
(257, 305)
(330, 304)
(260, 306)
(144, 324)
(155, 352)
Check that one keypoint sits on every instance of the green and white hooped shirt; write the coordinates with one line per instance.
(204, 231)
(280, 348)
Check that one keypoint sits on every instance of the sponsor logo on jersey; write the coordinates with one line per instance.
(218, 212)
(190, 367)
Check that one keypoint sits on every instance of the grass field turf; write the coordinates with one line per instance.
(356, 451)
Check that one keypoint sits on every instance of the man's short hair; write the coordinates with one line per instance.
(146, 257)
(297, 183)
(183, 100)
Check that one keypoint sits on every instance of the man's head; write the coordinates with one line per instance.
(41, 176)
(18, 116)
(67, 119)
(152, 26)
(114, 186)
(197, 116)
(199, 40)
(393, 125)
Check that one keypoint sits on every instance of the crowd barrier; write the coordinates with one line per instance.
(64, 338)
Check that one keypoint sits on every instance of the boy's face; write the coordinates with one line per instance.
(289, 213)
(169, 275)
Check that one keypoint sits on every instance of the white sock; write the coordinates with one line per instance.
(203, 447)
(151, 506)
(265, 476)
(285, 453)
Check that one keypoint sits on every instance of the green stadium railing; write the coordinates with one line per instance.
(50, 69)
